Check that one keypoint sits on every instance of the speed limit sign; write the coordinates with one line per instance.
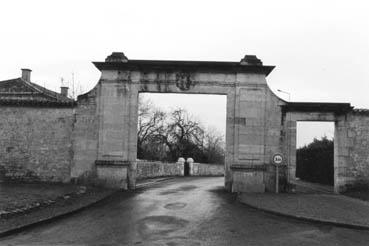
(277, 159)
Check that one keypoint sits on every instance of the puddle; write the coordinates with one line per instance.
(187, 187)
(159, 226)
(174, 206)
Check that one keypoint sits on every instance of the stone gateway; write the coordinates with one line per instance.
(47, 136)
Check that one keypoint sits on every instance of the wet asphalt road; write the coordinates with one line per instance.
(182, 211)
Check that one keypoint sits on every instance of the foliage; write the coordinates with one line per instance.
(168, 136)
(314, 162)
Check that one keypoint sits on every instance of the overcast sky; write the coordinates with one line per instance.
(320, 48)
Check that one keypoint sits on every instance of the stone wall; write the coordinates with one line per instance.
(351, 144)
(85, 138)
(274, 133)
(151, 169)
(356, 171)
(112, 175)
(260, 136)
(205, 169)
(36, 143)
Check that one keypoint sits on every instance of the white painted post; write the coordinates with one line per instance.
(181, 162)
(190, 163)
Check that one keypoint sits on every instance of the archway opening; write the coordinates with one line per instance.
(181, 135)
(315, 155)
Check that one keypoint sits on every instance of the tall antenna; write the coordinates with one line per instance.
(61, 81)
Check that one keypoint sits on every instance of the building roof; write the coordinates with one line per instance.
(23, 93)
(169, 65)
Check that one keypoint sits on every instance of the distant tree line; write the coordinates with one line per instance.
(166, 136)
(314, 162)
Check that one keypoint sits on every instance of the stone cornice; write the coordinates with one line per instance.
(188, 66)
(317, 107)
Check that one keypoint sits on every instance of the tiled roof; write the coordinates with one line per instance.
(20, 92)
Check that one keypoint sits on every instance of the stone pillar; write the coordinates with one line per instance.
(290, 152)
(230, 141)
(190, 163)
(117, 109)
(181, 162)
(249, 135)
(341, 155)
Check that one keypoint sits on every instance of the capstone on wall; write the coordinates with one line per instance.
(36, 143)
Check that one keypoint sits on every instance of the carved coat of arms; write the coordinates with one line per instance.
(183, 81)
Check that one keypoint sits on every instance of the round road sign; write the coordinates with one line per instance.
(277, 159)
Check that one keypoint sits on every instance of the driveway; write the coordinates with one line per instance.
(182, 211)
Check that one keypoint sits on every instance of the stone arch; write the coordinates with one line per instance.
(257, 124)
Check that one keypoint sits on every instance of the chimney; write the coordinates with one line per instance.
(26, 74)
(64, 91)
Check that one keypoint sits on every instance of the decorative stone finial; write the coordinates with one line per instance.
(251, 60)
(181, 160)
(116, 57)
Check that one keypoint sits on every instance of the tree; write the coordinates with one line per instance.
(314, 162)
(168, 136)
(214, 147)
(182, 135)
(151, 123)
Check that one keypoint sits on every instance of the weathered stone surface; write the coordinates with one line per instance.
(85, 138)
(152, 169)
(355, 165)
(248, 182)
(205, 169)
(114, 176)
(36, 143)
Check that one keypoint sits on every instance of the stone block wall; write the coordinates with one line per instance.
(151, 169)
(85, 138)
(36, 143)
(113, 176)
(356, 170)
(205, 169)
(274, 139)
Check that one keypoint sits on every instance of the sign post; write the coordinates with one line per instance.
(277, 161)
